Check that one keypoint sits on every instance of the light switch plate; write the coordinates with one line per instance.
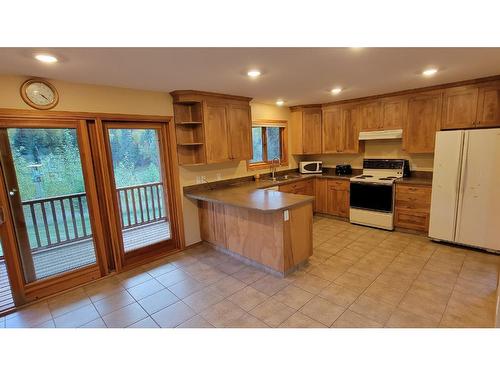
(286, 215)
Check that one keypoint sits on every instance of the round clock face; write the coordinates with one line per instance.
(39, 94)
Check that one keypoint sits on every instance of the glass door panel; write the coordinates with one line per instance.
(44, 176)
(140, 187)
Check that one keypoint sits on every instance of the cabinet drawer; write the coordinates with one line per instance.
(412, 195)
(300, 187)
(411, 219)
(338, 185)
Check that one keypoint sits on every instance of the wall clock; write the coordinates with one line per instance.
(39, 94)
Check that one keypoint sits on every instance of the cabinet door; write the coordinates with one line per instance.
(216, 134)
(488, 108)
(459, 108)
(240, 132)
(332, 130)
(370, 116)
(320, 190)
(393, 113)
(311, 131)
(350, 130)
(288, 188)
(423, 120)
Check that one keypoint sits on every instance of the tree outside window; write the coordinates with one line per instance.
(269, 142)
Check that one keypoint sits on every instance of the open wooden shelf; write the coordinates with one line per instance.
(189, 132)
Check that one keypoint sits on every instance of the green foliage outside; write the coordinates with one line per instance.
(47, 164)
(273, 144)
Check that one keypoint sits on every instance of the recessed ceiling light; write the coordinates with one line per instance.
(46, 58)
(336, 90)
(253, 73)
(280, 102)
(429, 72)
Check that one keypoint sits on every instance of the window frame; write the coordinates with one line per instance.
(283, 146)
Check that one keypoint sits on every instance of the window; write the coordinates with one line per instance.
(269, 140)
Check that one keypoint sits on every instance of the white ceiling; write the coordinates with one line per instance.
(298, 75)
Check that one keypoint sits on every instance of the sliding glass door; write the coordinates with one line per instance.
(138, 166)
(48, 195)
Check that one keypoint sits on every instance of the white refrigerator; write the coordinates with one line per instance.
(465, 205)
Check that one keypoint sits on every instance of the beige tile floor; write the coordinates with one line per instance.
(357, 277)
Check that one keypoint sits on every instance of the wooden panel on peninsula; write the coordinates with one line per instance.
(277, 240)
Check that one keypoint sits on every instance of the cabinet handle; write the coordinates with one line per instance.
(478, 122)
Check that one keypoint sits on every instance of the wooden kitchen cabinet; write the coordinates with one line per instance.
(459, 107)
(305, 187)
(341, 129)
(216, 132)
(240, 132)
(306, 130)
(332, 130)
(212, 128)
(422, 122)
(320, 194)
(337, 197)
(412, 208)
(488, 105)
(393, 111)
(370, 116)
(350, 129)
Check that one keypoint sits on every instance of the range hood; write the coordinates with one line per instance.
(381, 134)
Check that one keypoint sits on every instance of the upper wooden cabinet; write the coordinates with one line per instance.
(370, 116)
(393, 112)
(341, 129)
(212, 128)
(488, 105)
(471, 106)
(306, 131)
(459, 107)
(422, 121)
(350, 129)
(332, 129)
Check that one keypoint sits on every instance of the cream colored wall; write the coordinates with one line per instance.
(91, 98)
(380, 148)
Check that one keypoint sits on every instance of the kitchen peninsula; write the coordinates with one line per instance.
(264, 227)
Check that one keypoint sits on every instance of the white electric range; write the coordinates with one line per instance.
(372, 193)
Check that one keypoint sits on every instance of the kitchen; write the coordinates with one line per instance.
(353, 208)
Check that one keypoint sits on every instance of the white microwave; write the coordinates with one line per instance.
(311, 167)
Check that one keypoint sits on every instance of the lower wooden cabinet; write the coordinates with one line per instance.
(337, 198)
(412, 209)
(332, 197)
(299, 187)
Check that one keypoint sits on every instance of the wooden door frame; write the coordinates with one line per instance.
(53, 284)
(170, 177)
(23, 293)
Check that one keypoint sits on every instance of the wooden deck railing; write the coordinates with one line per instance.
(64, 219)
(141, 204)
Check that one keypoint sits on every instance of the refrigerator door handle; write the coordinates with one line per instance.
(463, 178)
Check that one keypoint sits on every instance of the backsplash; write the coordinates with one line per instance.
(378, 149)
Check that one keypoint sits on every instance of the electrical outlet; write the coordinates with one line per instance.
(218, 176)
(199, 179)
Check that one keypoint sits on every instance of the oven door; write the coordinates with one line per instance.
(372, 196)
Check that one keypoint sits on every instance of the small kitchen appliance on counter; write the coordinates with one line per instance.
(311, 167)
(343, 170)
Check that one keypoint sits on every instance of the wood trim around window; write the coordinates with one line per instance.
(284, 145)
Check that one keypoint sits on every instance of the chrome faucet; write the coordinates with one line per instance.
(273, 167)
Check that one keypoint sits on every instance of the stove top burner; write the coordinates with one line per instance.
(388, 178)
(365, 176)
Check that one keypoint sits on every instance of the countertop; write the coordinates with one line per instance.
(253, 194)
